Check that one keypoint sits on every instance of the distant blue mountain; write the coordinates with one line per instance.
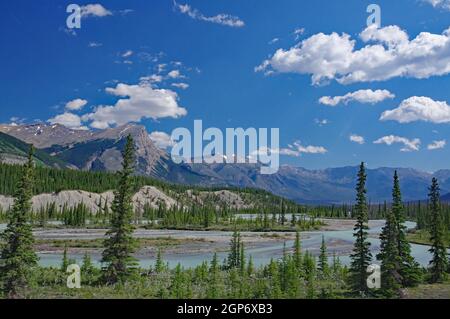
(332, 185)
(101, 151)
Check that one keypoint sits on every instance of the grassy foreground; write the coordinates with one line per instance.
(183, 284)
(428, 291)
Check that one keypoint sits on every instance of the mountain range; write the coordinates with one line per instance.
(100, 150)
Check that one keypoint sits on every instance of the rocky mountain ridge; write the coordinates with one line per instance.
(101, 151)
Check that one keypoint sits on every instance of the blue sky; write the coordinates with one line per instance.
(196, 59)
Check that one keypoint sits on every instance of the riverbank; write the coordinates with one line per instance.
(422, 237)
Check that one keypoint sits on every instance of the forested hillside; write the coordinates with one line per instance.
(49, 180)
(14, 150)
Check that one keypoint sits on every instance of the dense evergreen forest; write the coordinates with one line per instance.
(417, 211)
(13, 146)
(50, 180)
(195, 217)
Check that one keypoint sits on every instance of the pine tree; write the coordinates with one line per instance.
(242, 261)
(17, 257)
(337, 266)
(283, 214)
(390, 257)
(439, 261)
(250, 267)
(274, 289)
(298, 251)
(309, 264)
(235, 250)
(283, 268)
(409, 269)
(177, 290)
(323, 259)
(266, 220)
(106, 212)
(293, 220)
(274, 218)
(159, 264)
(120, 244)
(311, 286)
(361, 257)
(87, 267)
(291, 280)
(213, 290)
(64, 261)
(233, 283)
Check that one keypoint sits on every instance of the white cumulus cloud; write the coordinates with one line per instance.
(182, 86)
(274, 40)
(419, 108)
(388, 53)
(175, 74)
(76, 104)
(357, 139)
(408, 145)
(154, 78)
(94, 44)
(310, 149)
(138, 102)
(161, 139)
(68, 120)
(436, 145)
(95, 10)
(295, 150)
(298, 33)
(361, 96)
(222, 18)
(127, 54)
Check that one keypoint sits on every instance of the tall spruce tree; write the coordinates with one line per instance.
(323, 259)
(242, 261)
(213, 288)
(361, 257)
(159, 263)
(438, 264)
(337, 266)
(250, 267)
(298, 251)
(389, 256)
(17, 256)
(409, 269)
(64, 261)
(234, 256)
(120, 244)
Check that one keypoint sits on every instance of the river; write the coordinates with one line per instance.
(261, 248)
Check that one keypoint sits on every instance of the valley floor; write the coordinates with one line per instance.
(191, 248)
